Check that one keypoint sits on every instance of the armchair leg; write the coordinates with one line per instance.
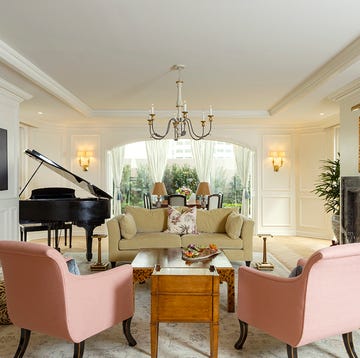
(349, 345)
(243, 335)
(79, 349)
(291, 351)
(127, 333)
(23, 343)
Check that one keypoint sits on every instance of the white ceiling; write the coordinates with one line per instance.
(256, 61)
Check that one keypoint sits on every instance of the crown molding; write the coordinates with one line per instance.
(29, 70)
(167, 114)
(348, 90)
(14, 91)
(338, 63)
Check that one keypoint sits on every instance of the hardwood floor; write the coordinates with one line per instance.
(288, 249)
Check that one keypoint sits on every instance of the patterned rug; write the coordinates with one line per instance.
(187, 340)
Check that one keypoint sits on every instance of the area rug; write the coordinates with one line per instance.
(186, 340)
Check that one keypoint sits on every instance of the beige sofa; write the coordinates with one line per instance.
(141, 228)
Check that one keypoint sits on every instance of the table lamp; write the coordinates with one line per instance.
(203, 190)
(159, 190)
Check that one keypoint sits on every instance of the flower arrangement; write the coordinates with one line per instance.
(184, 191)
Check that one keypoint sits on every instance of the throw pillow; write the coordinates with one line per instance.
(127, 226)
(296, 271)
(182, 220)
(233, 225)
(73, 267)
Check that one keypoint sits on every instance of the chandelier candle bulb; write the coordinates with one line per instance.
(185, 107)
(152, 111)
(211, 111)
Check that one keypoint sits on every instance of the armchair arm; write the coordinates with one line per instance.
(271, 303)
(99, 300)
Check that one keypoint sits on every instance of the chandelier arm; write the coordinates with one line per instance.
(158, 136)
(192, 132)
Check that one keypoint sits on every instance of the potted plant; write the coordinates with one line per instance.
(328, 189)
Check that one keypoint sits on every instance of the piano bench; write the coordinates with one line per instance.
(25, 228)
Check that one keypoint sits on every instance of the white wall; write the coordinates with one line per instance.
(10, 97)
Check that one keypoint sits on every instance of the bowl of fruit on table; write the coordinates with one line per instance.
(197, 253)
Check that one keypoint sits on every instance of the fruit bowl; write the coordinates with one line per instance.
(198, 253)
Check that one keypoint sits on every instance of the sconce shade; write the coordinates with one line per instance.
(203, 188)
(84, 157)
(277, 159)
(159, 189)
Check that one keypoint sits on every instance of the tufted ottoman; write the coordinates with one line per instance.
(4, 317)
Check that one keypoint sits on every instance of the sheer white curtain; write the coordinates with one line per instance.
(157, 154)
(117, 161)
(243, 159)
(203, 155)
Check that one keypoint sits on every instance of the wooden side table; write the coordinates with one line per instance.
(264, 265)
(99, 266)
(185, 295)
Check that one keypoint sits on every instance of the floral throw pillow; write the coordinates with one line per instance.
(182, 221)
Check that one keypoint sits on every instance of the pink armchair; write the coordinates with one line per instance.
(320, 302)
(43, 296)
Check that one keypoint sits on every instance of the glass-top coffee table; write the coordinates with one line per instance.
(146, 260)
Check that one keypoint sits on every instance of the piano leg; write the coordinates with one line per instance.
(89, 229)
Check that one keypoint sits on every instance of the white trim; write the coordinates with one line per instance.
(345, 91)
(338, 63)
(13, 91)
(167, 114)
(29, 70)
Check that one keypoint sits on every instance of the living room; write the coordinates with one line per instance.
(279, 77)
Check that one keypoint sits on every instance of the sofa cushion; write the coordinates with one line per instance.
(127, 226)
(233, 225)
(148, 220)
(213, 220)
(222, 241)
(150, 241)
(181, 220)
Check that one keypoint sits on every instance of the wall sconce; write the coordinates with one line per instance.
(277, 160)
(84, 159)
(355, 108)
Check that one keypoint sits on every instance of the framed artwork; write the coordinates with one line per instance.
(3, 160)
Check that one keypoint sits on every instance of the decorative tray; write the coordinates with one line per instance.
(196, 253)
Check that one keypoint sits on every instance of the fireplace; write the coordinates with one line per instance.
(350, 209)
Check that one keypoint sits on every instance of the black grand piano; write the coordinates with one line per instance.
(55, 206)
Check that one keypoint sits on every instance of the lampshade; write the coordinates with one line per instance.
(159, 189)
(203, 188)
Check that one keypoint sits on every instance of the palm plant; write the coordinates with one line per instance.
(328, 186)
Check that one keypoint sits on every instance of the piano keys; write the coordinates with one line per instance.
(55, 206)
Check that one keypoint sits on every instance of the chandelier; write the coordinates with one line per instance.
(181, 123)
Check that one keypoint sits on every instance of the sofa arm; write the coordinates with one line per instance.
(114, 234)
(247, 233)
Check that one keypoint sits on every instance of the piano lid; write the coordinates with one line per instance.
(80, 182)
